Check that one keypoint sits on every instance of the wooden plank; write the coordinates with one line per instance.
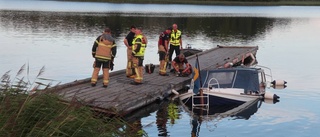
(124, 97)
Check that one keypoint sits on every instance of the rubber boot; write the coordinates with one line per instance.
(94, 77)
(140, 68)
(129, 69)
(162, 68)
(105, 77)
(137, 78)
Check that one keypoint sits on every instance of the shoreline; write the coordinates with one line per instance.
(219, 3)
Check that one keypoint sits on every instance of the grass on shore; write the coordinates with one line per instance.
(216, 2)
(43, 114)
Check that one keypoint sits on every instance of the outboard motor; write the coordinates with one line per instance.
(279, 84)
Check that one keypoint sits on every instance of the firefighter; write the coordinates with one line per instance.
(178, 65)
(175, 42)
(128, 42)
(104, 50)
(139, 45)
(163, 51)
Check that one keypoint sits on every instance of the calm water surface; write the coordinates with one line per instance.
(59, 36)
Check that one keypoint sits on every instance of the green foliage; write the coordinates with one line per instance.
(44, 115)
(38, 112)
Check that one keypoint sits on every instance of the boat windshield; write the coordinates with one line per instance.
(246, 79)
(222, 77)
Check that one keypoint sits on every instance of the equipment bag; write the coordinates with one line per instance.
(149, 68)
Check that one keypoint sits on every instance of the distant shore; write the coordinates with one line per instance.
(215, 2)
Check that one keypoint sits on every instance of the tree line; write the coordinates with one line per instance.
(217, 2)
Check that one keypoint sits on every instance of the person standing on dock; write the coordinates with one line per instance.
(104, 50)
(163, 51)
(139, 45)
(128, 42)
(178, 65)
(175, 42)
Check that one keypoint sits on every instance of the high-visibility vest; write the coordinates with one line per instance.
(140, 53)
(104, 49)
(175, 38)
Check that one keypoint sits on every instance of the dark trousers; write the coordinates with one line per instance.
(104, 64)
(173, 48)
(105, 67)
(162, 55)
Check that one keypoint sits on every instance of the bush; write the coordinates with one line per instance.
(39, 112)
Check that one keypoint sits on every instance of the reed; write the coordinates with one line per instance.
(31, 109)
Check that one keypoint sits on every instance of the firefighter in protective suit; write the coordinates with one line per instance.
(175, 42)
(128, 42)
(163, 51)
(104, 50)
(138, 49)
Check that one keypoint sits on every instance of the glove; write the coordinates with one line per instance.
(111, 65)
(93, 55)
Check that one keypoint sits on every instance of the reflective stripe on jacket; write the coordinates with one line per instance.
(104, 49)
(175, 38)
(135, 44)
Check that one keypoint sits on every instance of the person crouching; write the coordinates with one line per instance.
(178, 66)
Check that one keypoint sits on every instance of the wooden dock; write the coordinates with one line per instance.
(122, 98)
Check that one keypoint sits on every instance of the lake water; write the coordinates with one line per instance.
(59, 36)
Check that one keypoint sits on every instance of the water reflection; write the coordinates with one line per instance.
(167, 112)
(62, 41)
(66, 36)
(71, 24)
(213, 115)
(161, 120)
